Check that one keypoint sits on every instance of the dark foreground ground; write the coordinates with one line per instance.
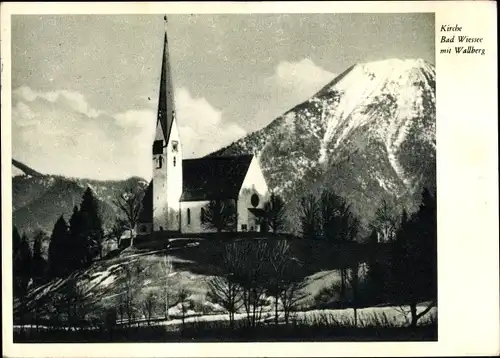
(213, 333)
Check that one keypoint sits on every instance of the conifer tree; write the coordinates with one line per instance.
(275, 210)
(21, 263)
(58, 259)
(220, 215)
(16, 245)
(76, 244)
(39, 264)
(414, 258)
(309, 219)
(16, 242)
(91, 228)
(26, 256)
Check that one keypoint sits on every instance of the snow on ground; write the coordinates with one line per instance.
(391, 315)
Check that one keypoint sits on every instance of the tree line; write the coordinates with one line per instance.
(252, 270)
(406, 277)
(249, 271)
(73, 245)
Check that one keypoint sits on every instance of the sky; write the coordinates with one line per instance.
(85, 87)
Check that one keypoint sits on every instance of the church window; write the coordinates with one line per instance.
(158, 147)
(175, 160)
(159, 162)
(175, 145)
(254, 200)
(244, 227)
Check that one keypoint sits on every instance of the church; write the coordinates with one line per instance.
(177, 198)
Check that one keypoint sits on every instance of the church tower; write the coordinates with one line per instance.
(167, 154)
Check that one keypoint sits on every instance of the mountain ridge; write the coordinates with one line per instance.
(38, 200)
(369, 135)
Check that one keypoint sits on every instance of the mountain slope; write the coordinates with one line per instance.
(369, 135)
(38, 200)
(22, 169)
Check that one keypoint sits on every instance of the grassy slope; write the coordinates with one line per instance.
(194, 261)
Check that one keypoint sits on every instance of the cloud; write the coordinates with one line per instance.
(72, 99)
(201, 126)
(58, 132)
(303, 78)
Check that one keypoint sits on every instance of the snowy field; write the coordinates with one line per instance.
(105, 280)
(390, 316)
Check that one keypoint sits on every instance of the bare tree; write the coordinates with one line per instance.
(293, 291)
(73, 301)
(284, 280)
(224, 288)
(309, 220)
(130, 204)
(354, 283)
(338, 222)
(117, 230)
(220, 215)
(251, 275)
(275, 213)
(148, 306)
(131, 289)
(279, 256)
(331, 213)
(168, 294)
(385, 223)
(183, 296)
(121, 307)
(167, 271)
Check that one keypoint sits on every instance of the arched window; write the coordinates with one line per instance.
(202, 215)
(188, 214)
(159, 162)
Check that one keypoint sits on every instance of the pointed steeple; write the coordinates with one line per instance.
(166, 106)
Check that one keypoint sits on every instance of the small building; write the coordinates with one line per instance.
(177, 198)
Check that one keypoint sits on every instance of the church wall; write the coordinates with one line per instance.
(194, 225)
(174, 178)
(254, 183)
(167, 188)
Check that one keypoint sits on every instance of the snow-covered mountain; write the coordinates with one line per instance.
(369, 135)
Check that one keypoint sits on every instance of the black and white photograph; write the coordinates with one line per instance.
(225, 177)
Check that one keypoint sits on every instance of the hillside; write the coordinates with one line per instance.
(39, 199)
(369, 135)
(141, 272)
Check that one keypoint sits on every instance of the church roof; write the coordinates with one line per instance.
(214, 177)
(203, 179)
(166, 106)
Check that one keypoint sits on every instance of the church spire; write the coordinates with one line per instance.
(166, 107)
